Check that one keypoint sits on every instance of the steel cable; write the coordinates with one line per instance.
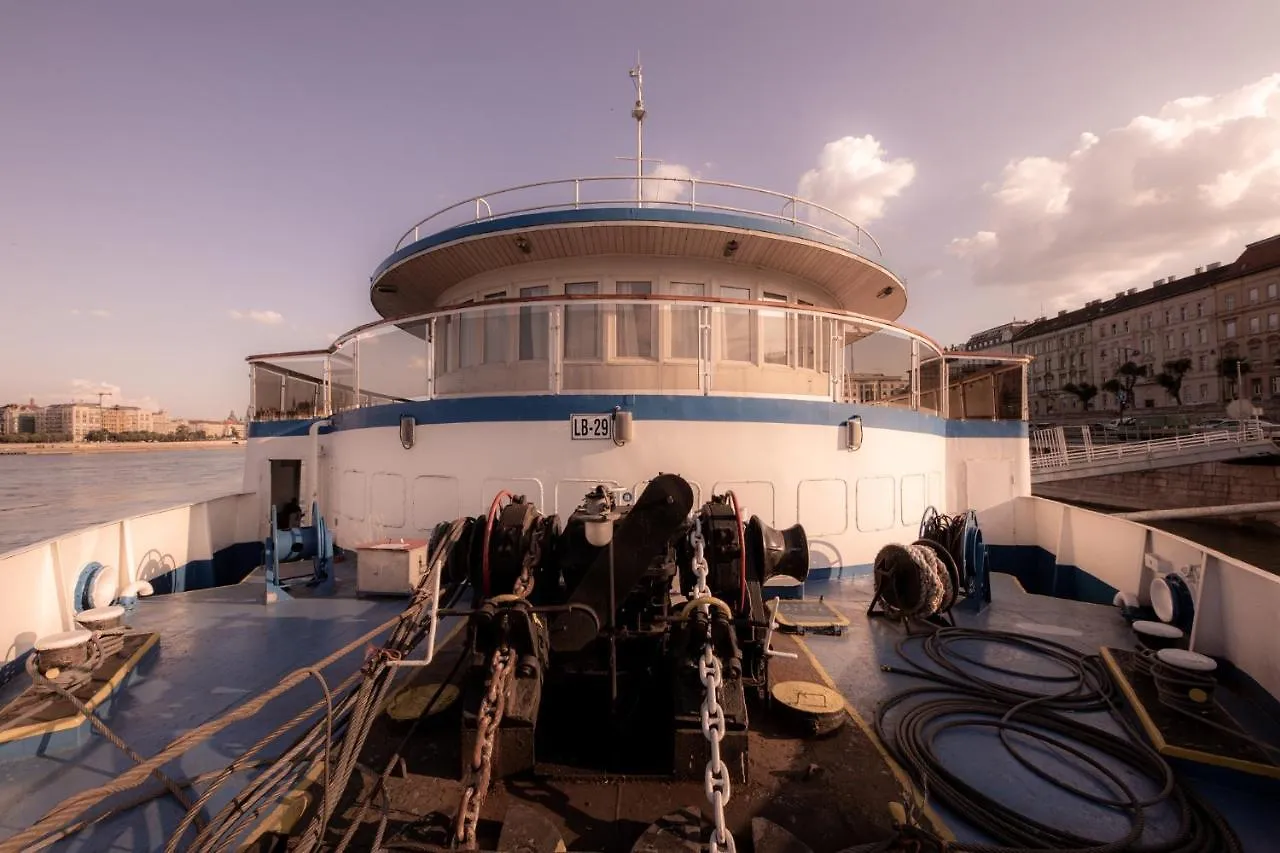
(960, 698)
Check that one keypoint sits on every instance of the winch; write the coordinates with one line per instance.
(632, 610)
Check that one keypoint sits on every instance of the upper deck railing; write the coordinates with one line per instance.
(655, 192)
(637, 344)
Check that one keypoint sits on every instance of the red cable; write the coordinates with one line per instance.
(488, 527)
(742, 545)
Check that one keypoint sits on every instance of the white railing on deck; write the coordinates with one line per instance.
(1051, 450)
(829, 354)
(656, 192)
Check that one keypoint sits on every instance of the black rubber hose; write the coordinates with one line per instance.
(962, 698)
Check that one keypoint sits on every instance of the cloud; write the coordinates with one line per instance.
(267, 318)
(667, 191)
(1158, 196)
(87, 390)
(92, 312)
(855, 178)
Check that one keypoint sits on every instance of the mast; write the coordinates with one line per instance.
(638, 114)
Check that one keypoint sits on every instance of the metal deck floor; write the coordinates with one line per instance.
(854, 662)
(217, 648)
(221, 646)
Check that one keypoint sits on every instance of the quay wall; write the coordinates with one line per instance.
(1202, 484)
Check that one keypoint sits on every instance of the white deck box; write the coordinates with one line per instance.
(393, 567)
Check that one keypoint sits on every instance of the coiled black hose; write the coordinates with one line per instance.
(1036, 715)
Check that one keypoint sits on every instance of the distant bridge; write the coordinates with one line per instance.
(1069, 453)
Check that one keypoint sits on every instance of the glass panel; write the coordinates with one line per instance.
(470, 326)
(496, 325)
(775, 331)
(533, 325)
(737, 335)
(981, 389)
(343, 377)
(684, 320)
(582, 324)
(635, 326)
(877, 366)
(933, 380)
(806, 338)
(393, 364)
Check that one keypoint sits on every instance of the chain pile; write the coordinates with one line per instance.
(717, 781)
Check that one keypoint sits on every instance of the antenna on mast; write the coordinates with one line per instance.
(637, 74)
(638, 113)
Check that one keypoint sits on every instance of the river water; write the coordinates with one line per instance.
(46, 496)
(42, 496)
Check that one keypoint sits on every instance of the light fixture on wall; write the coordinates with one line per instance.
(853, 433)
(523, 244)
(408, 430)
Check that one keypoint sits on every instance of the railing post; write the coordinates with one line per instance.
(704, 349)
(693, 194)
(555, 349)
(355, 384)
(328, 385)
(577, 197)
(431, 358)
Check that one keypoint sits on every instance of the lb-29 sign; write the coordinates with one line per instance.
(590, 427)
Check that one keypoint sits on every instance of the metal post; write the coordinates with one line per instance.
(431, 358)
(355, 383)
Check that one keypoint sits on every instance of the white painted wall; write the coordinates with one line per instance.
(851, 503)
(1236, 603)
(40, 579)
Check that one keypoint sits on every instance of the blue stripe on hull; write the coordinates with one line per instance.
(1040, 573)
(228, 566)
(651, 407)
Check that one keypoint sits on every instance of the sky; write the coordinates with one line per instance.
(182, 185)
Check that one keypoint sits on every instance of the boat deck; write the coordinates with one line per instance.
(219, 647)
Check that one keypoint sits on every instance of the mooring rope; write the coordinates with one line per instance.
(912, 580)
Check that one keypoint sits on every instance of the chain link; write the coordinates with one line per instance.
(716, 779)
(524, 583)
(501, 668)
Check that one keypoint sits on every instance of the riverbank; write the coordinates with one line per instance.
(66, 447)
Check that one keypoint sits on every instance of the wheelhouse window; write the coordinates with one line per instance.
(582, 323)
(533, 325)
(684, 319)
(775, 331)
(635, 325)
(737, 334)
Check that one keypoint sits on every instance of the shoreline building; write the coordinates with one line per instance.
(1220, 311)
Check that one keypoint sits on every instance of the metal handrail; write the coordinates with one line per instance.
(851, 328)
(789, 201)
(1054, 459)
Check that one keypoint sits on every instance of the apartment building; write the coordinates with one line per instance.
(1172, 320)
(16, 418)
(73, 419)
(1248, 324)
(996, 339)
(117, 419)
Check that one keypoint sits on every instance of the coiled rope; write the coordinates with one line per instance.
(1039, 716)
(914, 581)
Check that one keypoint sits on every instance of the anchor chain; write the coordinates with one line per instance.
(501, 668)
(524, 583)
(716, 778)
